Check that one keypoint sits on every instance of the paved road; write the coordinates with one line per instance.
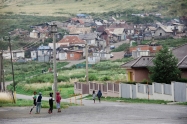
(103, 113)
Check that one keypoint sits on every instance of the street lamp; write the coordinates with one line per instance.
(53, 29)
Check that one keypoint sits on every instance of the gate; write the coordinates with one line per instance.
(85, 88)
(133, 91)
(125, 91)
(179, 92)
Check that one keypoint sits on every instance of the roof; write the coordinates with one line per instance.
(180, 52)
(183, 63)
(166, 29)
(101, 28)
(98, 23)
(88, 36)
(121, 25)
(79, 30)
(44, 47)
(143, 61)
(118, 31)
(72, 40)
(152, 28)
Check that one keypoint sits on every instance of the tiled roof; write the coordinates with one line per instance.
(72, 40)
(180, 52)
(88, 36)
(121, 25)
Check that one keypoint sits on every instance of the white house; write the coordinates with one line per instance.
(94, 58)
(139, 53)
(34, 34)
(34, 55)
(15, 54)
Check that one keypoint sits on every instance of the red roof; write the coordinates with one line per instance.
(72, 40)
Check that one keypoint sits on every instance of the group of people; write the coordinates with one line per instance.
(37, 102)
(37, 99)
(99, 94)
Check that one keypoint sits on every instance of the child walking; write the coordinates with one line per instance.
(94, 95)
(99, 94)
(50, 103)
(34, 101)
(58, 98)
(38, 103)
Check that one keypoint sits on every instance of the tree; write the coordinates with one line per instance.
(165, 67)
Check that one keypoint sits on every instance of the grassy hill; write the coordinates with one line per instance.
(67, 7)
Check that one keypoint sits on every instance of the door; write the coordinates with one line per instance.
(179, 92)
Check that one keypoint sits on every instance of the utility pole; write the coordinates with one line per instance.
(54, 31)
(11, 64)
(87, 63)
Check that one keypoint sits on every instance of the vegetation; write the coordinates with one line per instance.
(122, 47)
(45, 104)
(165, 69)
(68, 7)
(172, 42)
(129, 100)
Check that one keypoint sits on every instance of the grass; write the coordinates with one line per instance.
(45, 104)
(59, 7)
(128, 100)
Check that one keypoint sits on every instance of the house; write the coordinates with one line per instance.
(93, 58)
(74, 54)
(35, 34)
(150, 29)
(71, 40)
(119, 34)
(104, 55)
(77, 31)
(19, 32)
(15, 54)
(137, 69)
(90, 38)
(163, 31)
(152, 48)
(42, 53)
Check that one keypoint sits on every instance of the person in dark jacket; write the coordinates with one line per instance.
(34, 101)
(99, 94)
(50, 103)
(38, 103)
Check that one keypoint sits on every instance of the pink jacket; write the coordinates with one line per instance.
(58, 97)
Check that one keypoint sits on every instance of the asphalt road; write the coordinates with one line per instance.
(102, 113)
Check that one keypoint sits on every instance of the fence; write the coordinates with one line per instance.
(108, 89)
(176, 91)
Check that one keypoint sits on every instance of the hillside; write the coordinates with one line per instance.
(66, 7)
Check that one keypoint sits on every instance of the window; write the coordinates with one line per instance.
(42, 52)
(71, 55)
(154, 48)
(160, 34)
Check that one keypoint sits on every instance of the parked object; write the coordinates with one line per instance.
(112, 47)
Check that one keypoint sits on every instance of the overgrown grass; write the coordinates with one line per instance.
(172, 42)
(128, 100)
(122, 47)
(45, 104)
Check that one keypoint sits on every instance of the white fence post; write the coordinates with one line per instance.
(120, 90)
(173, 90)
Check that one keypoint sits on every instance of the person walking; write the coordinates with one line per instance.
(99, 94)
(38, 103)
(58, 98)
(94, 95)
(50, 103)
(34, 101)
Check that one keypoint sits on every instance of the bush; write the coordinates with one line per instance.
(106, 78)
(93, 77)
(77, 76)
(62, 79)
(183, 80)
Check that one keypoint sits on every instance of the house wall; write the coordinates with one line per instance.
(62, 56)
(18, 54)
(74, 55)
(93, 59)
(184, 73)
(141, 74)
(47, 52)
(34, 35)
(152, 49)
(33, 55)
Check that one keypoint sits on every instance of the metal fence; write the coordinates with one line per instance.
(150, 89)
(125, 90)
(180, 92)
(141, 88)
